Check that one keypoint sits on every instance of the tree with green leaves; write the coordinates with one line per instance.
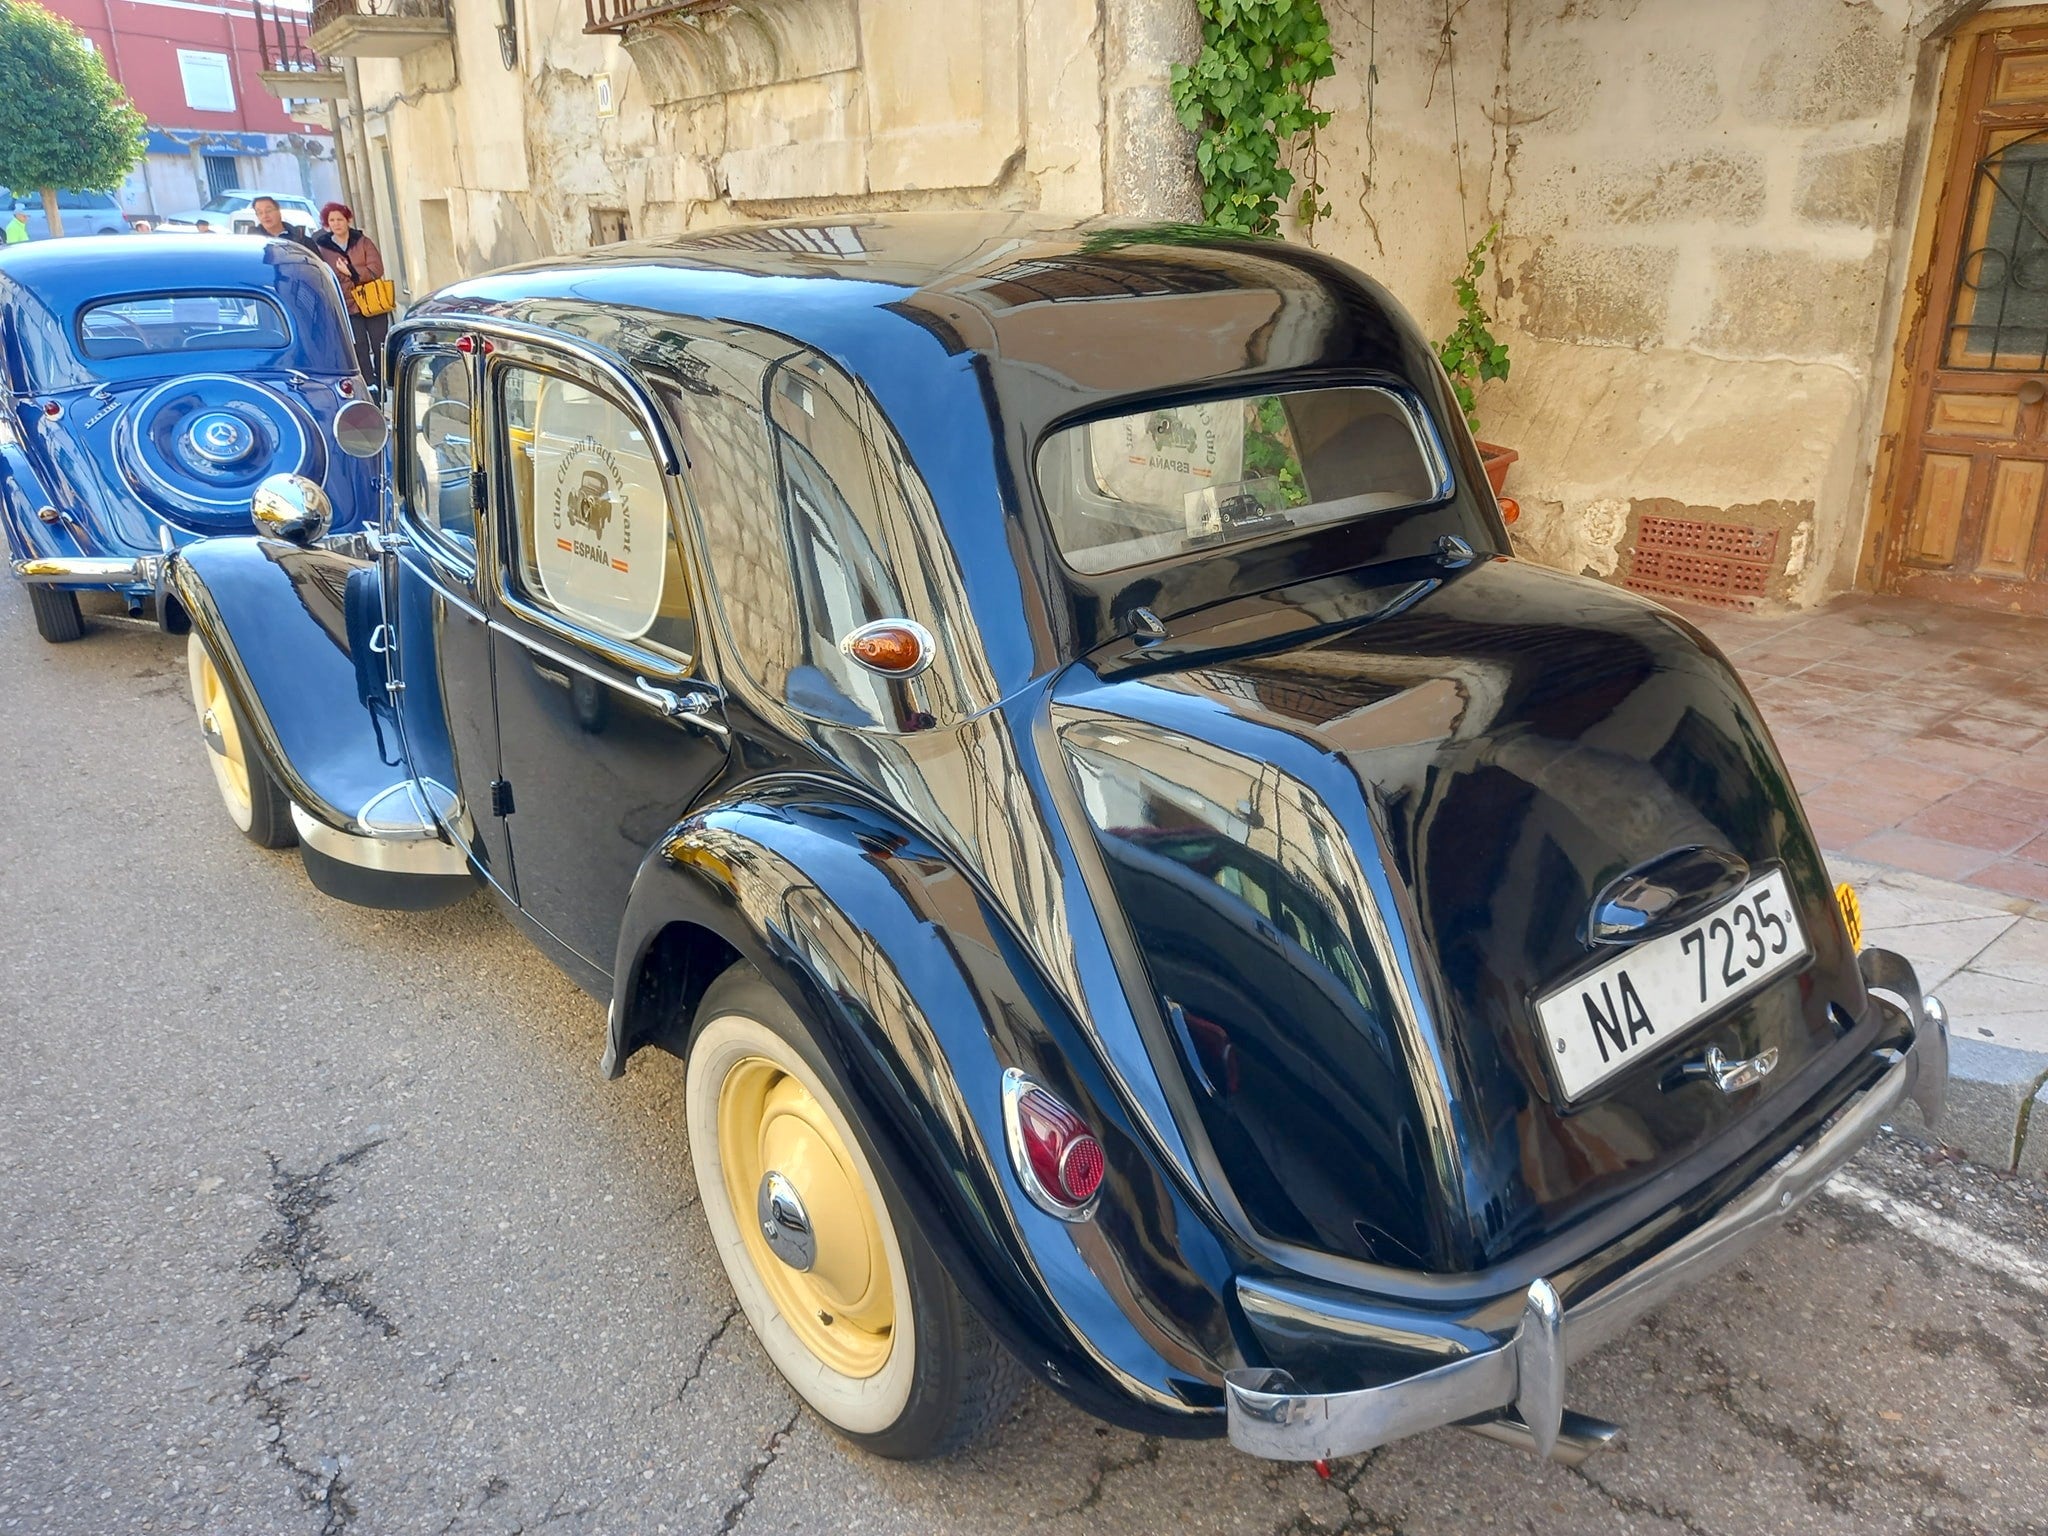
(64, 123)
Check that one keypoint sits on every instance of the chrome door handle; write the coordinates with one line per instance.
(693, 708)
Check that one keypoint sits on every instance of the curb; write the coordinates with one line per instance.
(1992, 1093)
(2033, 1136)
(1996, 1112)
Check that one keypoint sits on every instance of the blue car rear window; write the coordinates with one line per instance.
(180, 322)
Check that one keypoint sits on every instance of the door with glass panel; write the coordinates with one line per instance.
(1969, 516)
(607, 726)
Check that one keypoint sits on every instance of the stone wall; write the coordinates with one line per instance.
(771, 108)
(1699, 207)
(1703, 207)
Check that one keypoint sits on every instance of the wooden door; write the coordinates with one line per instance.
(1967, 521)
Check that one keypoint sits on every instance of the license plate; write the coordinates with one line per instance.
(1660, 989)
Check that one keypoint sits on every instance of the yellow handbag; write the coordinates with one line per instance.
(376, 297)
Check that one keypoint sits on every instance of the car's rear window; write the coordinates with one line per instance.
(180, 322)
(1175, 480)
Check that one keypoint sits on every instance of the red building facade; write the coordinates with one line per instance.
(191, 68)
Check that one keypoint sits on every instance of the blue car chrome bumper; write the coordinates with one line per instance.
(86, 570)
(1525, 1373)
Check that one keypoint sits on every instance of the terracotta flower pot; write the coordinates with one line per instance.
(1496, 460)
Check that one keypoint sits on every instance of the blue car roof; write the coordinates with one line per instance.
(45, 283)
(75, 272)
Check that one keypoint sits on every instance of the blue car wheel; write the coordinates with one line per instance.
(56, 614)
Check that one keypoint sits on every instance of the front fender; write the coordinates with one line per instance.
(272, 617)
(922, 997)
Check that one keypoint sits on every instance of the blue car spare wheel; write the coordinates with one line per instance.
(196, 449)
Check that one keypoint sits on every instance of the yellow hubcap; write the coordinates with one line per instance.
(842, 1307)
(217, 718)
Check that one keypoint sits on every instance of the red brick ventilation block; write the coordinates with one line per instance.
(1725, 565)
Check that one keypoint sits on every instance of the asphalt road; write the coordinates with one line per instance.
(319, 1220)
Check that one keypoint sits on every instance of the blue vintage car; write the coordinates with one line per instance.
(147, 388)
(1048, 724)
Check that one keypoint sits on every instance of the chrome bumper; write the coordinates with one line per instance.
(75, 570)
(1526, 1372)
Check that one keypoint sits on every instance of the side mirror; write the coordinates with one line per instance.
(359, 430)
(291, 507)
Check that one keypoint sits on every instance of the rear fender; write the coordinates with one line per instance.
(273, 618)
(24, 494)
(914, 987)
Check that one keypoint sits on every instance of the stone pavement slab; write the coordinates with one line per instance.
(1917, 732)
(1987, 957)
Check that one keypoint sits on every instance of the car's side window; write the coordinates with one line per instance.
(440, 447)
(799, 519)
(594, 542)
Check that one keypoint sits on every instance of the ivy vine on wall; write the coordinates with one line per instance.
(1248, 97)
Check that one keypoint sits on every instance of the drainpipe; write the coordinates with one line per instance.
(358, 191)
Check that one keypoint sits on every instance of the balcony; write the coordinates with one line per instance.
(378, 29)
(291, 71)
(616, 15)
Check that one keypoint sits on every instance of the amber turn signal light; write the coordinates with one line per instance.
(892, 647)
(1510, 509)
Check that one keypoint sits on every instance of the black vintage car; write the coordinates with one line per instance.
(1049, 726)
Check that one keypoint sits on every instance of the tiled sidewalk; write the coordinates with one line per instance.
(1917, 732)
(1918, 735)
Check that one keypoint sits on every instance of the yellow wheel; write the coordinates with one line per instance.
(847, 1298)
(254, 802)
(815, 1240)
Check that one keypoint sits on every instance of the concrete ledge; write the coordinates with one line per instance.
(1991, 1091)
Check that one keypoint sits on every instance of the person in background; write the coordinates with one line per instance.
(356, 260)
(17, 227)
(202, 226)
(270, 221)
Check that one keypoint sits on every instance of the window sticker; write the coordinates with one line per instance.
(1161, 458)
(600, 544)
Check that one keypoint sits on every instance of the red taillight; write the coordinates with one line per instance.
(54, 409)
(1057, 1156)
(465, 345)
(347, 386)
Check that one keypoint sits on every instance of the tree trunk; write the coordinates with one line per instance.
(50, 212)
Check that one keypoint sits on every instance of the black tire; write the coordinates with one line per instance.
(56, 613)
(266, 817)
(959, 1381)
(270, 825)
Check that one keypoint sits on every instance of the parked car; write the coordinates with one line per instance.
(1145, 886)
(230, 213)
(82, 213)
(147, 389)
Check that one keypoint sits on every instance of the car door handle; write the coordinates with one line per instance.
(692, 708)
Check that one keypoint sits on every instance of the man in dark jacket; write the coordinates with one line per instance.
(271, 222)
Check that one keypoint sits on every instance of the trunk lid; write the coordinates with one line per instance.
(1360, 829)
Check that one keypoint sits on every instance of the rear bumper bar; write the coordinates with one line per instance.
(1525, 1373)
(86, 570)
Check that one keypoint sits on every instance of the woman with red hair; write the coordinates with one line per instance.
(356, 260)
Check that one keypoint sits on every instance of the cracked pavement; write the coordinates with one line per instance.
(318, 1220)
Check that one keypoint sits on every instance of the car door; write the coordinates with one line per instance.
(607, 728)
(435, 576)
